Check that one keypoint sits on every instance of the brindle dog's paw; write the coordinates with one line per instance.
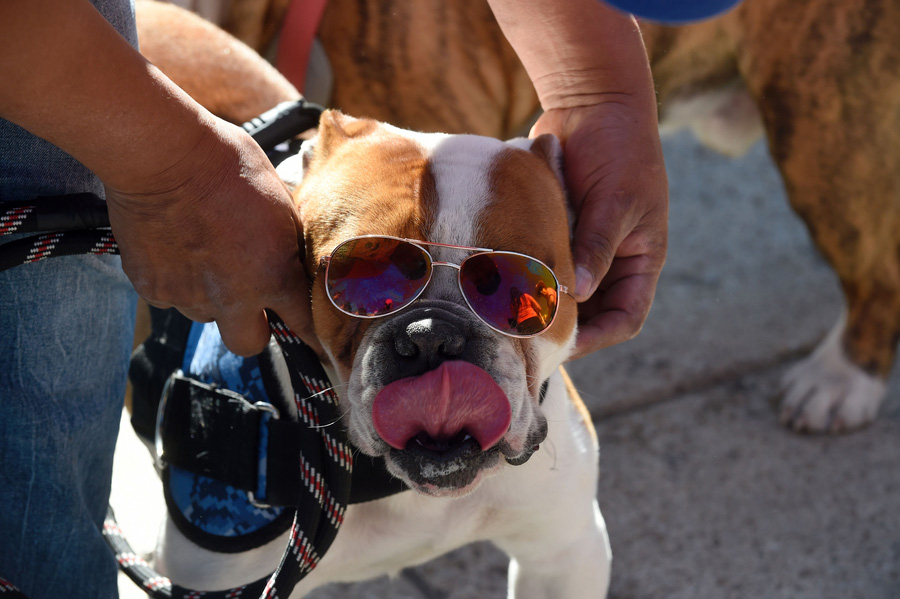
(826, 392)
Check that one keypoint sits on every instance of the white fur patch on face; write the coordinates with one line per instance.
(461, 198)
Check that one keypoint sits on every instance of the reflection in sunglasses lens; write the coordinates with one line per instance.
(514, 294)
(373, 276)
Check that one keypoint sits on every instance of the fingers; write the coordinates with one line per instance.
(619, 308)
(223, 244)
(295, 311)
(602, 227)
(245, 334)
(616, 181)
(245, 331)
(616, 310)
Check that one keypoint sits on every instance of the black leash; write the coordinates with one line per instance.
(67, 226)
(78, 225)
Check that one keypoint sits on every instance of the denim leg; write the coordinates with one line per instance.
(66, 328)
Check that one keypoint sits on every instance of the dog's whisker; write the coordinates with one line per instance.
(550, 447)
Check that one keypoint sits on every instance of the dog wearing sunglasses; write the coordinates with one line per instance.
(439, 268)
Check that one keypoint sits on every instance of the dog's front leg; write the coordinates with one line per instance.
(576, 568)
(557, 539)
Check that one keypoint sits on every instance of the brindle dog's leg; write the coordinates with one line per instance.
(831, 102)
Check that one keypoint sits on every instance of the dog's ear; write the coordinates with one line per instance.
(334, 129)
(546, 147)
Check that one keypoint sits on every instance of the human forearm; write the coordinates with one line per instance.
(577, 52)
(202, 219)
(70, 78)
(589, 66)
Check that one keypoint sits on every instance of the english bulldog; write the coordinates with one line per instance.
(440, 267)
(807, 76)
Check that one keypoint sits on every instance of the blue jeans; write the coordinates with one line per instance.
(66, 328)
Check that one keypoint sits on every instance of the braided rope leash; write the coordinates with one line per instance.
(9, 591)
(326, 468)
(80, 232)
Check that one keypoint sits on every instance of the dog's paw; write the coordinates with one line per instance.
(826, 392)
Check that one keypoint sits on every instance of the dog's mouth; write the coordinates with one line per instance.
(445, 427)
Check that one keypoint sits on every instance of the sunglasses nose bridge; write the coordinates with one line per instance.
(450, 264)
(440, 284)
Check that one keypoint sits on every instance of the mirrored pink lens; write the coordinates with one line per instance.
(515, 294)
(372, 276)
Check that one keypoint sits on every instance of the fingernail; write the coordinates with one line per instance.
(584, 281)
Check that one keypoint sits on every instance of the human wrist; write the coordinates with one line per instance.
(578, 52)
(160, 159)
(192, 180)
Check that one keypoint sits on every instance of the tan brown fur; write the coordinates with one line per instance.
(393, 198)
(255, 23)
(825, 78)
(540, 217)
(426, 66)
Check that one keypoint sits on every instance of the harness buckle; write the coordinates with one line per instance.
(160, 415)
(269, 411)
(265, 406)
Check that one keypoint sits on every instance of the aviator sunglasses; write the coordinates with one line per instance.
(375, 275)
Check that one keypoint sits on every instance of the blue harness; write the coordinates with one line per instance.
(231, 436)
(222, 513)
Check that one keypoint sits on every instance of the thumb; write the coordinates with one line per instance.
(599, 232)
(244, 334)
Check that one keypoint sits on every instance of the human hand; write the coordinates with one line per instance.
(217, 237)
(589, 67)
(617, 184)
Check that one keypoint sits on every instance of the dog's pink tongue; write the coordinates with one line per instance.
(455, 397)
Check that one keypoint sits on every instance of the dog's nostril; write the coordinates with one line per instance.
(428, 442)
(430, 338)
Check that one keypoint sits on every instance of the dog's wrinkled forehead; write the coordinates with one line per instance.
(361, 177)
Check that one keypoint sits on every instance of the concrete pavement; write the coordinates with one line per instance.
(705, 495)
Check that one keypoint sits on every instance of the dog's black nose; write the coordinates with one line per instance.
(430, 340)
